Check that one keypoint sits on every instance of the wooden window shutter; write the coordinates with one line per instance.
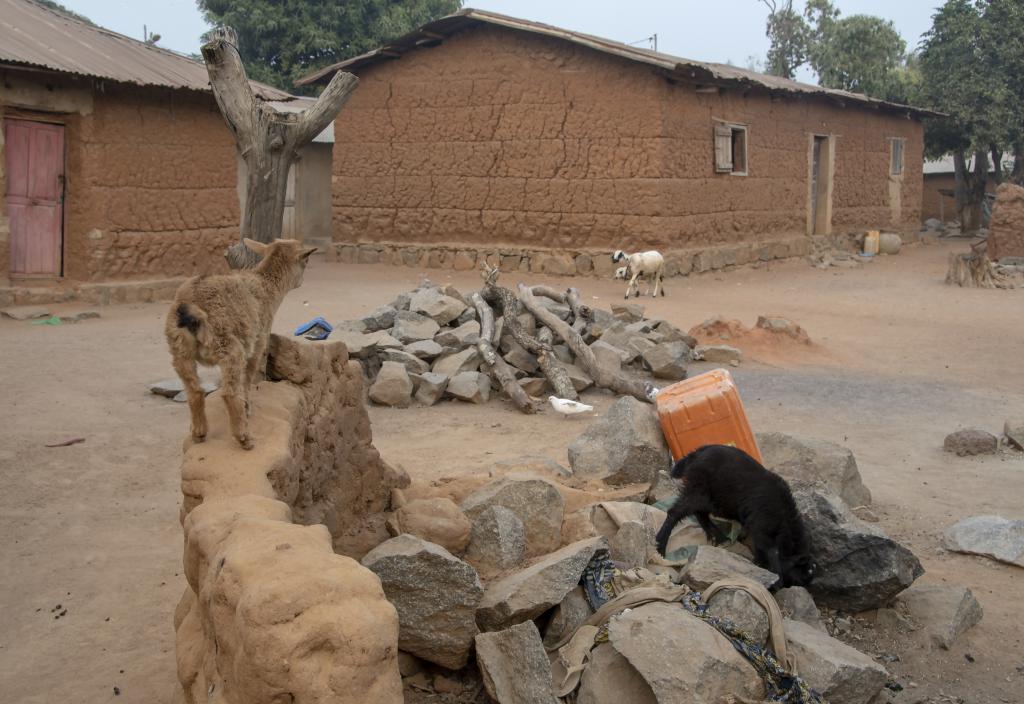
(723, 149)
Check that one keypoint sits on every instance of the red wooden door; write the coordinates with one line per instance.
(35, 195)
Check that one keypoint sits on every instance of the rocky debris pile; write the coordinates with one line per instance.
(520, 588)
(437, 343)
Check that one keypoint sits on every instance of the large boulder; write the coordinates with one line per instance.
(466, 334)
(798, 604)
(839, 673)
(472, 387)
(434, 304)
(629, 544)
(945, 612)
(381, 318)
(710, 564)
(526, 594)
(682, 659)
(536, 502)
(571, 613)
(424, 349)
(610, 679)
(971, 442)
(436, 595)
(393, 387)
(412, 363)
(431, 388)
(412, 327)
(436, 520)
(738, 607)
(991, 536)
(859, 566)
(467, 360)
(497, 539)
(807, 462)
(1013, 432)
(626, 446)
(514, 666)
(668, 360)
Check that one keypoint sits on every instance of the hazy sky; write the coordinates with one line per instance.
(706, 30)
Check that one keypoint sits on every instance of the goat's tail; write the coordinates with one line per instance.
(194, 320)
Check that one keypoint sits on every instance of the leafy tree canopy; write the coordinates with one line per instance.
(283, 40)
(57, 7)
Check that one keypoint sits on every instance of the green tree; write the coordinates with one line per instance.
(859, 53)
(1002, 34)
(283, 40)
(962, 78)
(57, 7)
(788, 34)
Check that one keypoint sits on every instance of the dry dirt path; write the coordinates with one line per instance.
(94, 526)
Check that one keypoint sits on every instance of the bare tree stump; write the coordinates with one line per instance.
(497, 367)
(584, 355)
(267, 140)
(973, 270)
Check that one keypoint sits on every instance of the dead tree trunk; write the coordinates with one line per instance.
(498, 367)
(584, 355)
(267, 140)
(973, 270)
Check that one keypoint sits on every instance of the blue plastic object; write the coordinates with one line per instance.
(315, 329)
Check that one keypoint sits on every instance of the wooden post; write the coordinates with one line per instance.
(267, 140)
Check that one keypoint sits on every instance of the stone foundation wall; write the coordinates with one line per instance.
(571, 262)
(272, 613)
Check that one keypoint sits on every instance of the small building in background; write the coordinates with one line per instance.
(937, 200)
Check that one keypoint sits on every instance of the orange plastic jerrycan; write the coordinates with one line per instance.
(705, 410)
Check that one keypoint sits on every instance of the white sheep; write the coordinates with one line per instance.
(648, 265)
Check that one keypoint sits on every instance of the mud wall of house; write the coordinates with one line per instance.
(151, 187)
(498, 137)
(938, 206)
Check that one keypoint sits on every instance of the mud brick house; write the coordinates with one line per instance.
(484, 135)
(116, 163)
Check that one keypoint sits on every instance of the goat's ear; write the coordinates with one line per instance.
(258, 247)
(306, 253)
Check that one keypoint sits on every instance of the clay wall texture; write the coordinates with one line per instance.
(500, 137)
(150, 178)
(1006, 231)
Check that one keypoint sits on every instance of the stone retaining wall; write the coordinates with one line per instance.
(572, 262)
(272, 613)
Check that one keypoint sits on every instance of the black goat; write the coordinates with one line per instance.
(727, 482)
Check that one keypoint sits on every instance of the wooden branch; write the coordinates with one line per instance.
(579, 310)
(548, 292)
(584, 355)
(316, 117)
(510, 307)
(974, 270)
(228, 80)
(497, 367)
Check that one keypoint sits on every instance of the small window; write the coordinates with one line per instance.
(731, 149)
(896, 156)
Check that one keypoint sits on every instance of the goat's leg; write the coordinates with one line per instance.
(633, 285)
(189, 375)
(713, 533)
(252, 367)
(766, 555)
(682, 508)
(659, 282)
(233, 374)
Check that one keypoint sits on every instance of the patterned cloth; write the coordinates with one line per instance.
(780, 685)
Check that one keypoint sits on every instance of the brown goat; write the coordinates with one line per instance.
(225, 320)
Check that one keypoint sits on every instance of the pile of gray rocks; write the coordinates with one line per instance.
(422, 348)
(485, 607)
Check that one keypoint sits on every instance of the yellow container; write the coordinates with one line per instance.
(871, 242)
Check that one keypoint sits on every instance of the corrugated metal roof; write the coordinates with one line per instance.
(435, 32)
(34, 35)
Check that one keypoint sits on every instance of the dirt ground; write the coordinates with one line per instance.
(903, 361)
